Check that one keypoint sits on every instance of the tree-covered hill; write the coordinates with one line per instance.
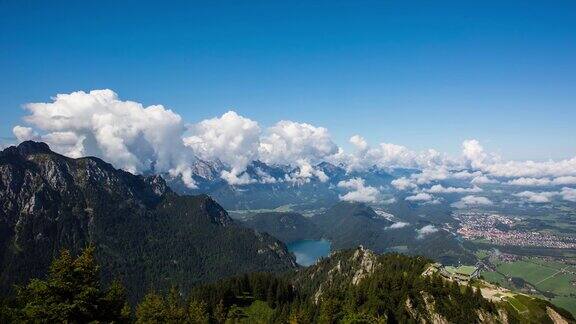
(351, 224)
(287, 227)
(348, 225)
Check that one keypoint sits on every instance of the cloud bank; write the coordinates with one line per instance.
(140, 138)
(568, 194)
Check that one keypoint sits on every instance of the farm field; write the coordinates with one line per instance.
(496, 278)
(568, 303)
(528, 271)
(553, 280)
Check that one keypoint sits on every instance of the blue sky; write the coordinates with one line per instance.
(421, 74)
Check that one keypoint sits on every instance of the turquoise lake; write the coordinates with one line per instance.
(307, 252)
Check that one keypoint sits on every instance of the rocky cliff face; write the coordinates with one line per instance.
(48, 198)
(144, 233)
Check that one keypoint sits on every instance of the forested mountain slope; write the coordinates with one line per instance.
(287, 227)
(144, 234)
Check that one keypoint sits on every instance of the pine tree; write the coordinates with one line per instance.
(220, 312)
(175, 312)
(151, 309)
(71, 293)
(197, 312)
(236, 313)
(296, 316)
(328, 311)
(115, 302)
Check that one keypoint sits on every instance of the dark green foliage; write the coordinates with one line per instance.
(71, 293)
(457, 303)
(287, 227)
(198, 312)
(224, 300)
(380, 297)
(152, 309)
(244, 289)
(348, 225)
(392, 289)
(155, 308)
(219, 312)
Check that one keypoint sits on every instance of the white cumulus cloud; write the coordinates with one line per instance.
(359, 191)
(432, 174)
(517, 169)
(473, 153)
(288, 141)
(472, 201)
(24, 133)
(305, 172)
(422, 196)
(231, 138)
(520, 173)
(359, 142)
(68, 143)
(536, 197)
(398, 225)
(125, 133)
(568, 194)
(480, 180)
(426, 230)
(535, 182)
(389, 155)
(565, 180)
(140, 138)
(441, 189)
(403, 184)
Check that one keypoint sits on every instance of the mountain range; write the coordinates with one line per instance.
(144, 233)
(151, 238)
(271, 186)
